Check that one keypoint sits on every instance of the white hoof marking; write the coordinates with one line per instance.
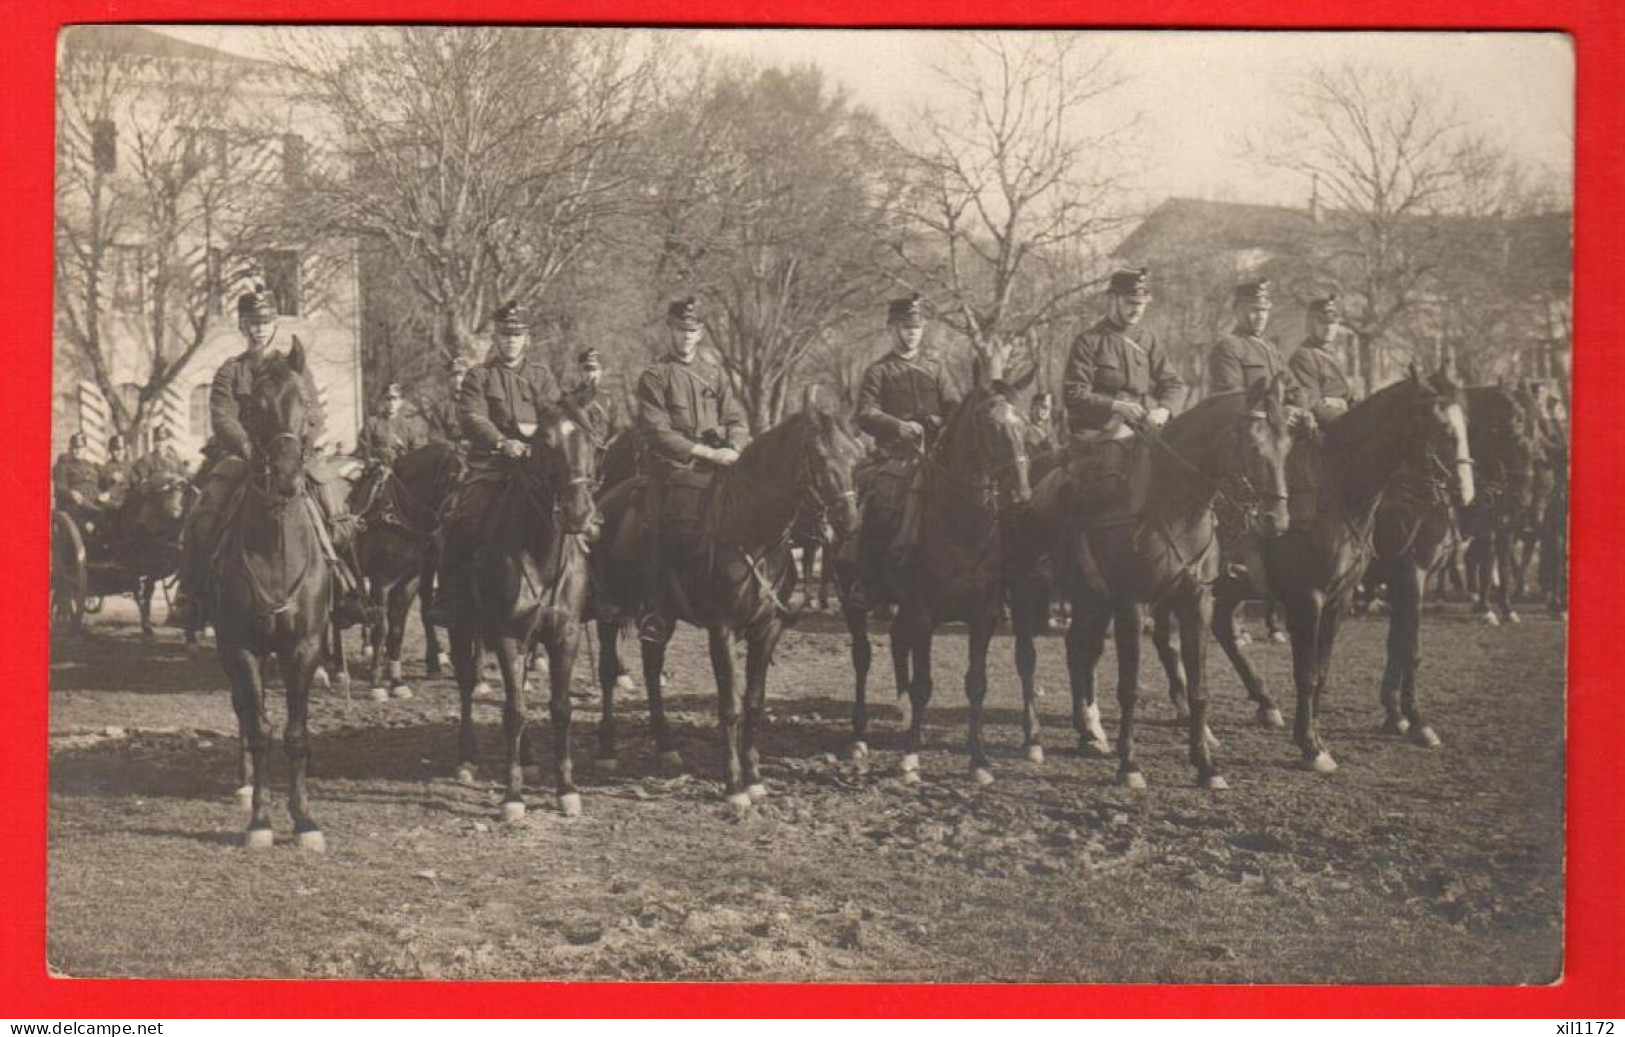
(739, 803)
(860, 750)
(1035, 754)
(624, 683)
(259, 839)
(1216, 783)
(1269, 716)
(512, 812)
(312, 842)
(982, 776)
(1132, 780)
(1324, 764)
(672, 758)
(570, 804)
(467, 774)
(379, 694)
(401, 691)
(757, 792)
(1427, 737)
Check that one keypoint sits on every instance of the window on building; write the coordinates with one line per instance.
(206, 147)
(281, 268)
(293, 160)
(104, 145)
(129, 268)
(197, 412)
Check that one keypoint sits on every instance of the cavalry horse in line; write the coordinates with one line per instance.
(275, 593)
(1229, 450)
(1414, 532)
(731, 579)
(972, 484)
(1411, 430)
(1505, 447)
(529, 576)
(399, 511)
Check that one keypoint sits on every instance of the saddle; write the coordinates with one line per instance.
(1108, 476)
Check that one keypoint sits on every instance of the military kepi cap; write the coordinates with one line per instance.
(257, 304)
(906, 313)
(1325, 307)
(684, 314)
(1253, 291)
(589, 357)
(1133, 284)
(78, 439)
(162, 432)
(392, 391)
(511, 316)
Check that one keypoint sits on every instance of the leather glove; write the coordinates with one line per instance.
(513, 448)
(912, 430)
(724, 456)
(1159, 416)
(1128, 410)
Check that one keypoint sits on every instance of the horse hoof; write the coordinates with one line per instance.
(1131, 780)
(1323, 763)
(245, 796)
(1215, 783)
(312, 841)
(860, 751)
(379, 694)
(672, 759)
(342, 682)
(1426, 737)
(1491, 619)
(739, 803)
(1035, 754)
(1278, 636)
(1243, 639)
(1269, 716)
(467, 774)
(1094, 747)
(401, 691)
(570, 804)
(624, 683)
(757, 792)
(1514, 618)
(513, 811)
(482, 690)
(982, 776)
(321, 680)
(606, 765)
(258, 839)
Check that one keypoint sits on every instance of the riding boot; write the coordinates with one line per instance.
(902, 547)
(452, 595)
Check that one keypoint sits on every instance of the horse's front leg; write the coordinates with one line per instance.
(400, 604)
(242, 668)
(1405, 644)
(431, 637)
(729, 717)
(1127, 620)
(760, 642)
(376, 632)
(562, 647)
(143, 602)
(1303, 612)
(1224, 631)
(1029, 611)
(510, 657)
(298, 669)
(1085, 641)
(857, 628)
(609, 672)
(465, 669)
(1162, 637)
(919, 625)
(1195, 615)
(981, 633)
(654, 660)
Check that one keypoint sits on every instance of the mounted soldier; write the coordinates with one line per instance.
(77, 482)
(1327, 392)
(589, 404)
(388, 434)
(1040, 431)
(692, 424)
(117, 475)
(1244, 357)
(500, 404)
(439, 410)
(163, 461)
(232, 455)
(1118, 385)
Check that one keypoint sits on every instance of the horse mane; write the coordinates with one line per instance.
(1191, 437)
(1373, 416)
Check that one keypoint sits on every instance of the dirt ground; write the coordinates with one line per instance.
(1408, 865)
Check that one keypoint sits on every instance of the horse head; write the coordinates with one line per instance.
(1441, 427)
(161, 503)
(988, 427)
(828, 455)
(277, 420)
(564, 458)
(1253, 463)
(1505, 442)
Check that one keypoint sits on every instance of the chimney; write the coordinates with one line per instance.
(1314, 198)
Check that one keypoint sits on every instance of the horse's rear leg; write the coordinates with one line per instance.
(1195, 616)
(857, 628)
(1029, 613)
(654, 658)
(510, 658)
(729, 717)
(297, 671)
(918, 624)
(1405, 643)
(465, 667)
(1224, 631)
(759, 645)
(373, 636)
(1162, 638)
(562, 647)
(143, 602)
(1129, 619)
(254, 726)
(981, 632)
(1303, 620)
(431, 637)
(1085, 641)
(400, 604)
(609, 672)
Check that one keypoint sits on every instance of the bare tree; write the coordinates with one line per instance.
(1014, 178)
(167, 192)
(482, 161)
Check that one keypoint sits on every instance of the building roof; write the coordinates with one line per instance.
(137, 41)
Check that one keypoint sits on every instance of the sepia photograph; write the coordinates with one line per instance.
(809, 505)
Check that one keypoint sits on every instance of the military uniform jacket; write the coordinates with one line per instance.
(1107, 365)
(116, 479)
(77, 474)
(233, 384)
(385, 439)
(1319, 374)
(160, 463)
(897, 390)
(1239, 361)
(678, 403)
(592, 410)
(497, 402)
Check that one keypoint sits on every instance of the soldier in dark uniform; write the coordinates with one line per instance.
(231, 451)
(692, 424)
(439, 411)
(903, 401)
(1319, 373)
(117, 476)
(499, 407)
(162, 461)
(77, 480)
(390, 432)
(1118, 383)
(1244, 356)
(1040, 431)
(588, 402)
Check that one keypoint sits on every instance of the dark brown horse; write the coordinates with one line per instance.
(529, 576)
(275, 593)
(732, 582)
(1505, 446)
(972, 486)
(1414, 532)
(399, 508)
(1229, 450)
(1316, 567)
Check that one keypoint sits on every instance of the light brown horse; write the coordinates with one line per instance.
(1230, 448)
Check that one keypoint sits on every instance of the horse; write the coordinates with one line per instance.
(529, 577)
(149, 530)
(731, 580)
(399, 511)
(275, 593)
(1409, 429)
(972, 485)
(1229, 450)
(1504, 445)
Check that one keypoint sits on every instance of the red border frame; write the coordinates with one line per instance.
(1595, 949)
